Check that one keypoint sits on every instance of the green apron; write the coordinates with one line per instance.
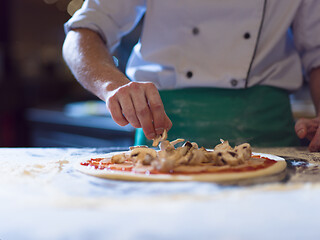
(259, 115)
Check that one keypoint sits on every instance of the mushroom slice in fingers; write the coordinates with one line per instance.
(160, 138)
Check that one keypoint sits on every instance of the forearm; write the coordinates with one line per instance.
(315, 88)
(89, 60)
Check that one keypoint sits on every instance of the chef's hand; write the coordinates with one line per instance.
(140, 105)
(310, 129)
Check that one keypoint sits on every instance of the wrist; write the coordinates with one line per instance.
(108, 87)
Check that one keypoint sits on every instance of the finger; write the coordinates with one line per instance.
(314, 145)
(160, 119)
(143, 112)
(301, 128)
(311, 131)
(116, 113)
(310, 127)
(127, 108)
(168, 123)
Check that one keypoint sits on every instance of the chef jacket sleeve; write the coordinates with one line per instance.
(306, 30)
(112, 19)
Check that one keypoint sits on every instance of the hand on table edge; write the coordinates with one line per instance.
(310, 128)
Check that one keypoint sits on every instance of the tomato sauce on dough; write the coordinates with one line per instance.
(127, 166)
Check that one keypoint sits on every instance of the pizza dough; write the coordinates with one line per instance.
(184, 163)
(222, 177)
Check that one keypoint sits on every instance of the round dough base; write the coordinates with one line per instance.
(278, 167)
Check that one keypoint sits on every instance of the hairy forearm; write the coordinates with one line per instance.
(89, 60)
(315, 88)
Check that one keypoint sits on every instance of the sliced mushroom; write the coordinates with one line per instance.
(179, 140)
(147, 159)
(244, 151)
(185, 148)
(169, 157)
(160, 138)
(134, 147)
(163, 165)
(195, 145)
(223, 146)
(143, 156)
(118, 158)
(207, 157)
(186, 153)
(166, 160)
(165, 145)
(229, 157)
(184, 160)
(211, 157)
(197, 158)
(166, 164)
(187, 144)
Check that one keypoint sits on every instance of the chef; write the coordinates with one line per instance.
(203, 69)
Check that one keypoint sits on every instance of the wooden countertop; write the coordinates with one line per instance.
(43, 197)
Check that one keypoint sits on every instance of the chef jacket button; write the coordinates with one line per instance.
(247, 35)
(195, 31)
(189, 74)
(234, 82)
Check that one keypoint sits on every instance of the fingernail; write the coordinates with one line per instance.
(159, 130)
(300, 132)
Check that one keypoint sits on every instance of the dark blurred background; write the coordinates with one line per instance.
(42, 105)
(41, 102)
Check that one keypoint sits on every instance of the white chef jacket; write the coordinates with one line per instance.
(211, 43)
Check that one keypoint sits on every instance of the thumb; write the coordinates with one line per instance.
(301, 128)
